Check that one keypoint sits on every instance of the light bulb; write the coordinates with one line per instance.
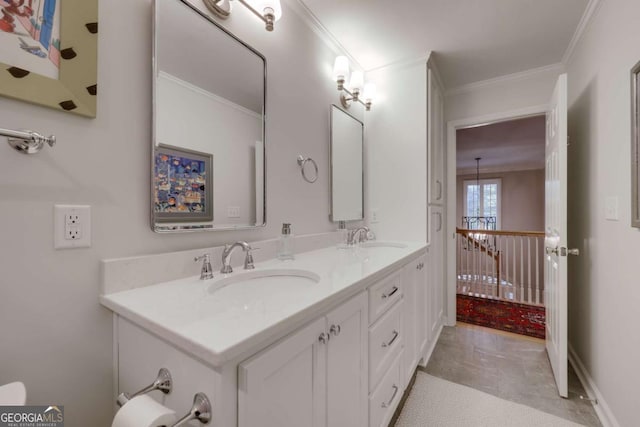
(274, 5)
(341, 68)
(357, 80)
(369, 92)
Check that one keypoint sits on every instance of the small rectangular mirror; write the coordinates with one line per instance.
(208, 157)
(347, 172)
(635, 146)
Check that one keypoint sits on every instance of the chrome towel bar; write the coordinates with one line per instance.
(27, 142)
(163, 383)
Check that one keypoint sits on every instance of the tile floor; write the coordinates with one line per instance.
(508, 366)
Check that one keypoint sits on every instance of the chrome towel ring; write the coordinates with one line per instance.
(302, 162)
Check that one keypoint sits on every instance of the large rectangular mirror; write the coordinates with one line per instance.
(347, 139)
(208, 157)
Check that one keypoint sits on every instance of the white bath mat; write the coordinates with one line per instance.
(434, 402)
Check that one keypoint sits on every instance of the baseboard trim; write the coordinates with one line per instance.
(427, 354)
(601, 407)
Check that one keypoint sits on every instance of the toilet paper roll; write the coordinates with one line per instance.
(143, 411)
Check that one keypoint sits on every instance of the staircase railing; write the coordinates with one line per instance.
(506, 265)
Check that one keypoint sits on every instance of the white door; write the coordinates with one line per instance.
(347, 364)
(555, 265)
(285, 385)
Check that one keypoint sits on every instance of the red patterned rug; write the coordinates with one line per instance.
(507, 316)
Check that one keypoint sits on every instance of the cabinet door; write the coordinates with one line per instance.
(436, 267)
(436, 139)
(410, 320)
(285, 385)
(347, 367)
(420, 277)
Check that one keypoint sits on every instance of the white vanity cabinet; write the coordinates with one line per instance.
(345, 364)
(315, 377)
(415, 315)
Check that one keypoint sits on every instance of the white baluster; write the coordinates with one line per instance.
(529, 269)
(521, 268)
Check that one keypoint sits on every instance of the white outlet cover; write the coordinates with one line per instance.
(62, 223)
(233, 212)
(611, 209)
(375, 216)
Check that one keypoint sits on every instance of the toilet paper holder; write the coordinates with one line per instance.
(200, 410)
(162, 382)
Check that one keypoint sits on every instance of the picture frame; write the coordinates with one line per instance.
(182, 185)
(635, 146)
(49, 53)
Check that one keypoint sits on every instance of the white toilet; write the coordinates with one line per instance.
(13, 394)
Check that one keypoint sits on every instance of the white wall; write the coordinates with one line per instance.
(53, 333)
(603, 293)
(192, 118)
(522, 199)
(499, 95)
(396, 135)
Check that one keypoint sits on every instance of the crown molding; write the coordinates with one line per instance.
(501, 169)
(522, 75)
(321, 31)
(587, 17)
(402, 63)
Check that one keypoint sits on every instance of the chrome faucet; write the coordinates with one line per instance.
(206, 272)
(226, 257)
(354, 234)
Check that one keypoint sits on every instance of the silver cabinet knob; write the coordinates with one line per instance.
(323, 338)
(335, 330)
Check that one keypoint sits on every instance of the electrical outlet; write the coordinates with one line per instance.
(233, 212)
(375, 216)
(71, 226)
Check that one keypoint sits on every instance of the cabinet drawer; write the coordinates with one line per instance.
(384, 400)
(384, 294)
(385, 342)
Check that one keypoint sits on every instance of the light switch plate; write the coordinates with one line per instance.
(611, 209)
(233, 212)
(71, 226)
(375, 216)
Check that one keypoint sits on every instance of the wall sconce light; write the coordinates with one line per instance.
(356, 85)
(269, 11)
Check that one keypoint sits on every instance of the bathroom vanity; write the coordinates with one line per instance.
(329, 339)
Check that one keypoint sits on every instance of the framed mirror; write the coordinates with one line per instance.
(208, 151)
(635, 146)
(347, 171)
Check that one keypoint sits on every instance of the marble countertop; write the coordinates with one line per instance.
(217, 324)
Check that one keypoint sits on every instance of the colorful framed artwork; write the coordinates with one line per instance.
(49, 53)
(182, 185)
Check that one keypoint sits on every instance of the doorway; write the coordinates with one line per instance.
(500, 186)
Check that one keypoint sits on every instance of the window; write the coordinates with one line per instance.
(482, 200)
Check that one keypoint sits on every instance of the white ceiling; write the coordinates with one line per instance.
(505, 146)
(473, 40)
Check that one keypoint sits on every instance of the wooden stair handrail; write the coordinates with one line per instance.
(465, 231)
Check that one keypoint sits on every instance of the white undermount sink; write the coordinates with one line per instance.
(377, 244)
(268, 278)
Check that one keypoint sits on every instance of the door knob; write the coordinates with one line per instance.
(565, 252)
(550, 251)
